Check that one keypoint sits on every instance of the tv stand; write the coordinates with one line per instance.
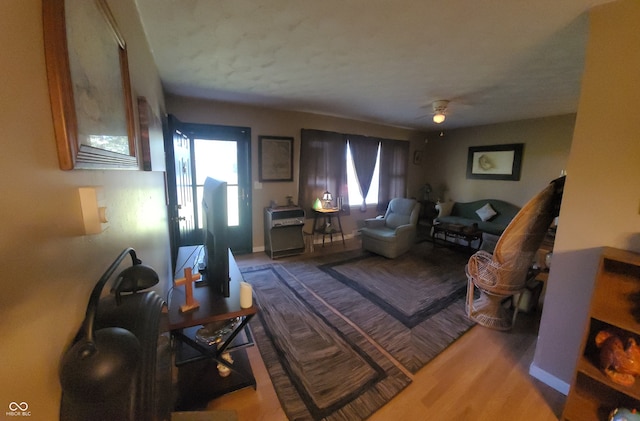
(198, 378)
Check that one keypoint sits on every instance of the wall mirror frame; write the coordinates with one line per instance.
(89, 86)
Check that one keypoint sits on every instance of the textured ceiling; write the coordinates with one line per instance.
(376, 60)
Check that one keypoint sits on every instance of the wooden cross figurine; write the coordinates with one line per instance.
(188, 281)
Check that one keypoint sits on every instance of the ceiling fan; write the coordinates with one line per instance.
(440, 109)
(439, 112)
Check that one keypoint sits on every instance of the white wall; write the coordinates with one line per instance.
(48, 266)
(601, 204)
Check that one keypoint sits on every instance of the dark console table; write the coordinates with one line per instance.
(198, 377)
(444, 231)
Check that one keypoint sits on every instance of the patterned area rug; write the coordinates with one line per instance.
(323, 367)
(320, 366)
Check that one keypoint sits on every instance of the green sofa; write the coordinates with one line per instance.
(465, 213)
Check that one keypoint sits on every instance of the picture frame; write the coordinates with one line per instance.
(417, 158)
(495, 162)
(151, 133)
(275, 158)
(89, 86)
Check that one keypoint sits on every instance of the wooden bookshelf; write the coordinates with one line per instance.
(615, 305)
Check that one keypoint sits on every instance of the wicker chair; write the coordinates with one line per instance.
(503, 274)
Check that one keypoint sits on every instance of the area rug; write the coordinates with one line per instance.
(412, 306)
(321, 366)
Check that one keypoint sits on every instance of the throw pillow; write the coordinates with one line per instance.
(486, 212)
(444, 208)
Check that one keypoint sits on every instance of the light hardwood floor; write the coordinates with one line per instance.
(482, 376)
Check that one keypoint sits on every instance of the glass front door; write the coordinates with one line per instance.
(223, 153)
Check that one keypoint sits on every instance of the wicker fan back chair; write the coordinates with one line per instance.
(503, 274)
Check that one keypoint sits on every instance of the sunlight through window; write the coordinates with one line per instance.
(355, 195)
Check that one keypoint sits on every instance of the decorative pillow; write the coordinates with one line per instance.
(486, 212)
(444, 208)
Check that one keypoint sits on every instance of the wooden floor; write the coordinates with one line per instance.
(482, 376)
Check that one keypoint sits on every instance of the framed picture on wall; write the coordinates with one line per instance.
(151, 137)
(417, 158)
(275, 158)
(88, 73)
(495, 162)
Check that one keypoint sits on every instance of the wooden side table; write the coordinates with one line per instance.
(327, 227)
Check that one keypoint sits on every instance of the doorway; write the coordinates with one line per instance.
(195, 152)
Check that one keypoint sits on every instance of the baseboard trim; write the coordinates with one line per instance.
(317, 240)
(548, 379)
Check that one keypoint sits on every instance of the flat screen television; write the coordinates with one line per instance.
(214, 269)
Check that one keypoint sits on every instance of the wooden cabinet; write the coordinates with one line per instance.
(615, 306)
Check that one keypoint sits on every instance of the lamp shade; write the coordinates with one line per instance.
(134, 278)
(100, 364)
(326, 196)
(438, 118)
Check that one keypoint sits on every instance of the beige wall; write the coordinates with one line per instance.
(283, 123)
(48, 266)
(602, 196)
(547, 142)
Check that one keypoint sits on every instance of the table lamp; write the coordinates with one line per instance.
(327, 198)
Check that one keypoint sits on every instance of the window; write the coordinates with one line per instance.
(324, 165)
(355, 195)
(218, 159)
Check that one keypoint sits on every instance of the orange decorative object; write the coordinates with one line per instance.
(188, 281)
(621, 364)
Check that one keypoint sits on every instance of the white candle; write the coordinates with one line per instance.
(246, 295)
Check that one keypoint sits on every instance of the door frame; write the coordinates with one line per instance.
(242, 135)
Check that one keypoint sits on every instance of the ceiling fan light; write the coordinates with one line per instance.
(439, 108)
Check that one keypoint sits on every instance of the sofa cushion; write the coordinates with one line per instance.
(444, 208)
(399, 212)
(486, 212)
(386, 235)
(394, 220)
(402, 205)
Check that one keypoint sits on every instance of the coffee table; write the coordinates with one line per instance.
(444, 231)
